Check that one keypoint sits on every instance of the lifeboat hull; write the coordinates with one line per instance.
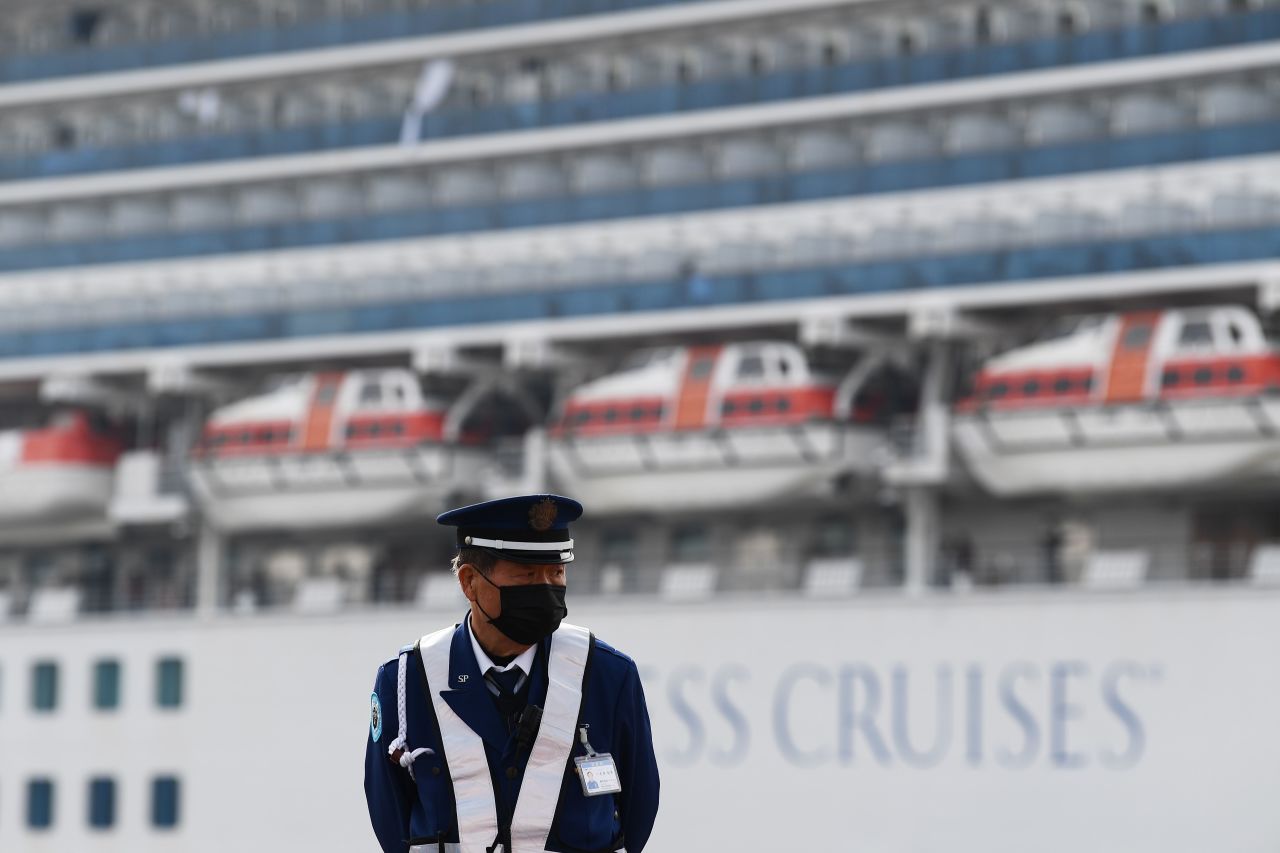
(54, 493)
(1122, 448)
(709, 469)
(307, 491)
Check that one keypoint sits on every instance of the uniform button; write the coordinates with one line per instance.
(435, 771)
(511, 773)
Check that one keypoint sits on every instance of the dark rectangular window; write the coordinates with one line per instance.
(106, 685)
(44, 686)
(165, 794)
(40, 803)
(169, 682)
(102, 802)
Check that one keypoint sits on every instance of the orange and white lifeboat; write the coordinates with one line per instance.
(1126, 402)
(324, 449)
(706, 427)
(58, 473)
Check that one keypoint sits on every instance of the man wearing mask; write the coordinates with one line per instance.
(512, 731)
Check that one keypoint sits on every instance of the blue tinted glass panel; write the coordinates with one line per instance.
(169, 683)
(44, 686)
(102, 803)
(106, 684)
(40, 803)
(165, 796)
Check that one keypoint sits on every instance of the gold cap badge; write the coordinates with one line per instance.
(543, 514)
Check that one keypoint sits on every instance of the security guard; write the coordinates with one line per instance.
(511, 732)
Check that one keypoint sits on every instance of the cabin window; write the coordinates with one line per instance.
(638, 413)
(1202, 376)
(998, 390)
(370, 394)
(756, 406)
(690, 544)
(44, 686)
(399, 395)
(701, 368)
(40, 803)
(352, 430)
(1061, 385)
(1235, 373)
(106, 685)
(729, 407)
(1196, 334)
(784, 367)
(1031, 387)
(1137, 337)
(751, 367)
(397, 428)
(169, 682)
(1170, 379)
(582, 417)
(375, 430)
(783, 404)
(165, 801)
(102, 802)
(245, 437)
(610, 415)
(1087, 384)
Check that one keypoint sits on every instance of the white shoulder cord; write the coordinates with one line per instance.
(399, 748)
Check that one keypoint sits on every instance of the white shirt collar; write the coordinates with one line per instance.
(524, 660)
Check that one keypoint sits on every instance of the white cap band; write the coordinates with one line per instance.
(518, 546)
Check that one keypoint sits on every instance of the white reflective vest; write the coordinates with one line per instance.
(469, 768)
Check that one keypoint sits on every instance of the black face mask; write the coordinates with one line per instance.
(529, 611)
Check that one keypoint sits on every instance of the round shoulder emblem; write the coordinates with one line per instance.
(375, 717)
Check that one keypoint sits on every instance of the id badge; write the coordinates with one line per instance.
(598, 774)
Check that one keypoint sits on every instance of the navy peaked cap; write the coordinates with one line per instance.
(524, 529)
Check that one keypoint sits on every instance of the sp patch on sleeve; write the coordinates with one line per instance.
(375, 717)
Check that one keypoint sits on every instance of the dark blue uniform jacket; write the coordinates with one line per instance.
(406, 811)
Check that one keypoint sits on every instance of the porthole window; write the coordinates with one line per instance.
(1031, 387)
(729, 407)
(756, 406)
(638, 413)
(1203, 375)
(1170, 379)
(783, 404)
(1061, 385)
(998, 390)
(610, 415)
(1235, 373)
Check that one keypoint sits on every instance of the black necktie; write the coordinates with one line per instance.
(505, 686)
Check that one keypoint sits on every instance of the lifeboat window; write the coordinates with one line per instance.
(783, 404)
(370, 394)
(1062, 385)
(1235, 373)
(1197, 334)
(1236, 333)
(1137, 337)
(1031, 387)
(701, 368)
(751, 367)
(1203, 375)
(1170, 379)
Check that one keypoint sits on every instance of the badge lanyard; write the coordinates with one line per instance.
(596, 770)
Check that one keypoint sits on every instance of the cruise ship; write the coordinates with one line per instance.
(916, 362)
